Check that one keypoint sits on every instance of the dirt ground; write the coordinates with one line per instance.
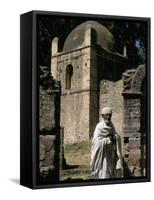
(78, 161)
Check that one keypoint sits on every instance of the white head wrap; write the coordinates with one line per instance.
(106, 110)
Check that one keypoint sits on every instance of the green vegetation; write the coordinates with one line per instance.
(77, 157)
(82, 146)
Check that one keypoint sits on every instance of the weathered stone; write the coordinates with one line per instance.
(81, 37)
(49, 100)
(45, 170)
(49, 127)
(110, 95)
(127, 78)
(47, 154)
(138, 78)
(42, 152)
(46, 80)
(92, 59)
(99, 77)
(132, 79)
(47, 141)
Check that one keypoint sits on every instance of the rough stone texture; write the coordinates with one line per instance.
(138, 78)
(127, 79)
(77, 37)
(75, 101)
(75, 117)
(94, 91)
(49, 93)
(80, 61)
(132, 154)
(132, 115)
(46, 80)
(110, 95)
(134, 133)
(47, 154)
(91, 63)
(100, 79)
(49, 127)
(47, 110)
(132, 79)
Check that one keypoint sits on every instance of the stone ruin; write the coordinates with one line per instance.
(49, 128)
(92, 75)
(90, 72)
(134, 94)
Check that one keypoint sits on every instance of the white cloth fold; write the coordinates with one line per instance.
(106, 154)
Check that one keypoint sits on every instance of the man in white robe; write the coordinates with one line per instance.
(106, 155)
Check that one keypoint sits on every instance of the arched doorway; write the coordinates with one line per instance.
(69, 74)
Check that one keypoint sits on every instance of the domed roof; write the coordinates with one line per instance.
(75, 39)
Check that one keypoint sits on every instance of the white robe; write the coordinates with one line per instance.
(106, 154)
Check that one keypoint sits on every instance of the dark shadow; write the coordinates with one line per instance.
(127, 172)
(15, 180)
(66, 166)
(72, 180)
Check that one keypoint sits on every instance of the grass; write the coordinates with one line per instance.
(77, 157)
(84, 145)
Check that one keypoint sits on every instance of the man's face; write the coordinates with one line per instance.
(107, 118)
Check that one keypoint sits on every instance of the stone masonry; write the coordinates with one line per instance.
(49, 128)
(134, 135)
(93, 75)
(89, 52)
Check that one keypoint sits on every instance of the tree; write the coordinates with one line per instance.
(126, 32)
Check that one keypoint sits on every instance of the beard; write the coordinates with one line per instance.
(107, 121)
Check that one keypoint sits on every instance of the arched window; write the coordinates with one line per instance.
(69, 73)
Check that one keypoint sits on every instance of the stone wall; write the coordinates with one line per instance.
(75, 116)
(90, 66)
(134, 93)
(94, 91)
(80, 61)
(47, 112)
(49, 159)
(111, 95)
(81, 103)
(132, 136)
(132, 114)
(75, 102)
(49, 127)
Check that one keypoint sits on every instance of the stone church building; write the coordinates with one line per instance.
(90, 72)
(92, 75)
